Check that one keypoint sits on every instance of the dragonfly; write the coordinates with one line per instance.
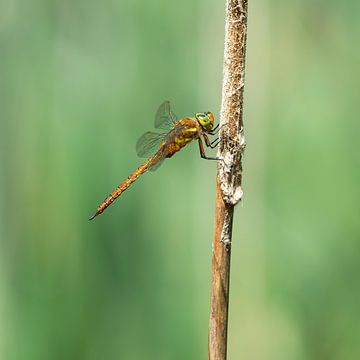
(173, 135)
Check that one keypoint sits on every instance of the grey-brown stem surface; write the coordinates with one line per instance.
(228, 185)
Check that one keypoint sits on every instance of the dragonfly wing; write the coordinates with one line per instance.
(148, 144)
(162, 153)
(165, 118)
(157, 164)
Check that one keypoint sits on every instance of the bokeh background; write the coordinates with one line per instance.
(80, 81)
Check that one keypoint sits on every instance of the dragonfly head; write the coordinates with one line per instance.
(206, 120)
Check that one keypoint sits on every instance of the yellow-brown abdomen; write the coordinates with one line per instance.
(123, 186)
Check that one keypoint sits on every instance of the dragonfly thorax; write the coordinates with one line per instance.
(206, 120)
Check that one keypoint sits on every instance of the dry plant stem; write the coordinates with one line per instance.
(228, 185)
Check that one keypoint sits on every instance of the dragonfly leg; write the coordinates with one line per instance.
(216, 129)
(203, 155)
(213, 144)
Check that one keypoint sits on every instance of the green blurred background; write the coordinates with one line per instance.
(80, 81)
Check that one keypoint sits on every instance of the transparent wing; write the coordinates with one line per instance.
(161, 155)
(148, 144)
(157, 164)
(165, 118)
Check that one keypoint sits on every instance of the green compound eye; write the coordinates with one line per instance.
(203, 119)
(201, 116)
(206, 120)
